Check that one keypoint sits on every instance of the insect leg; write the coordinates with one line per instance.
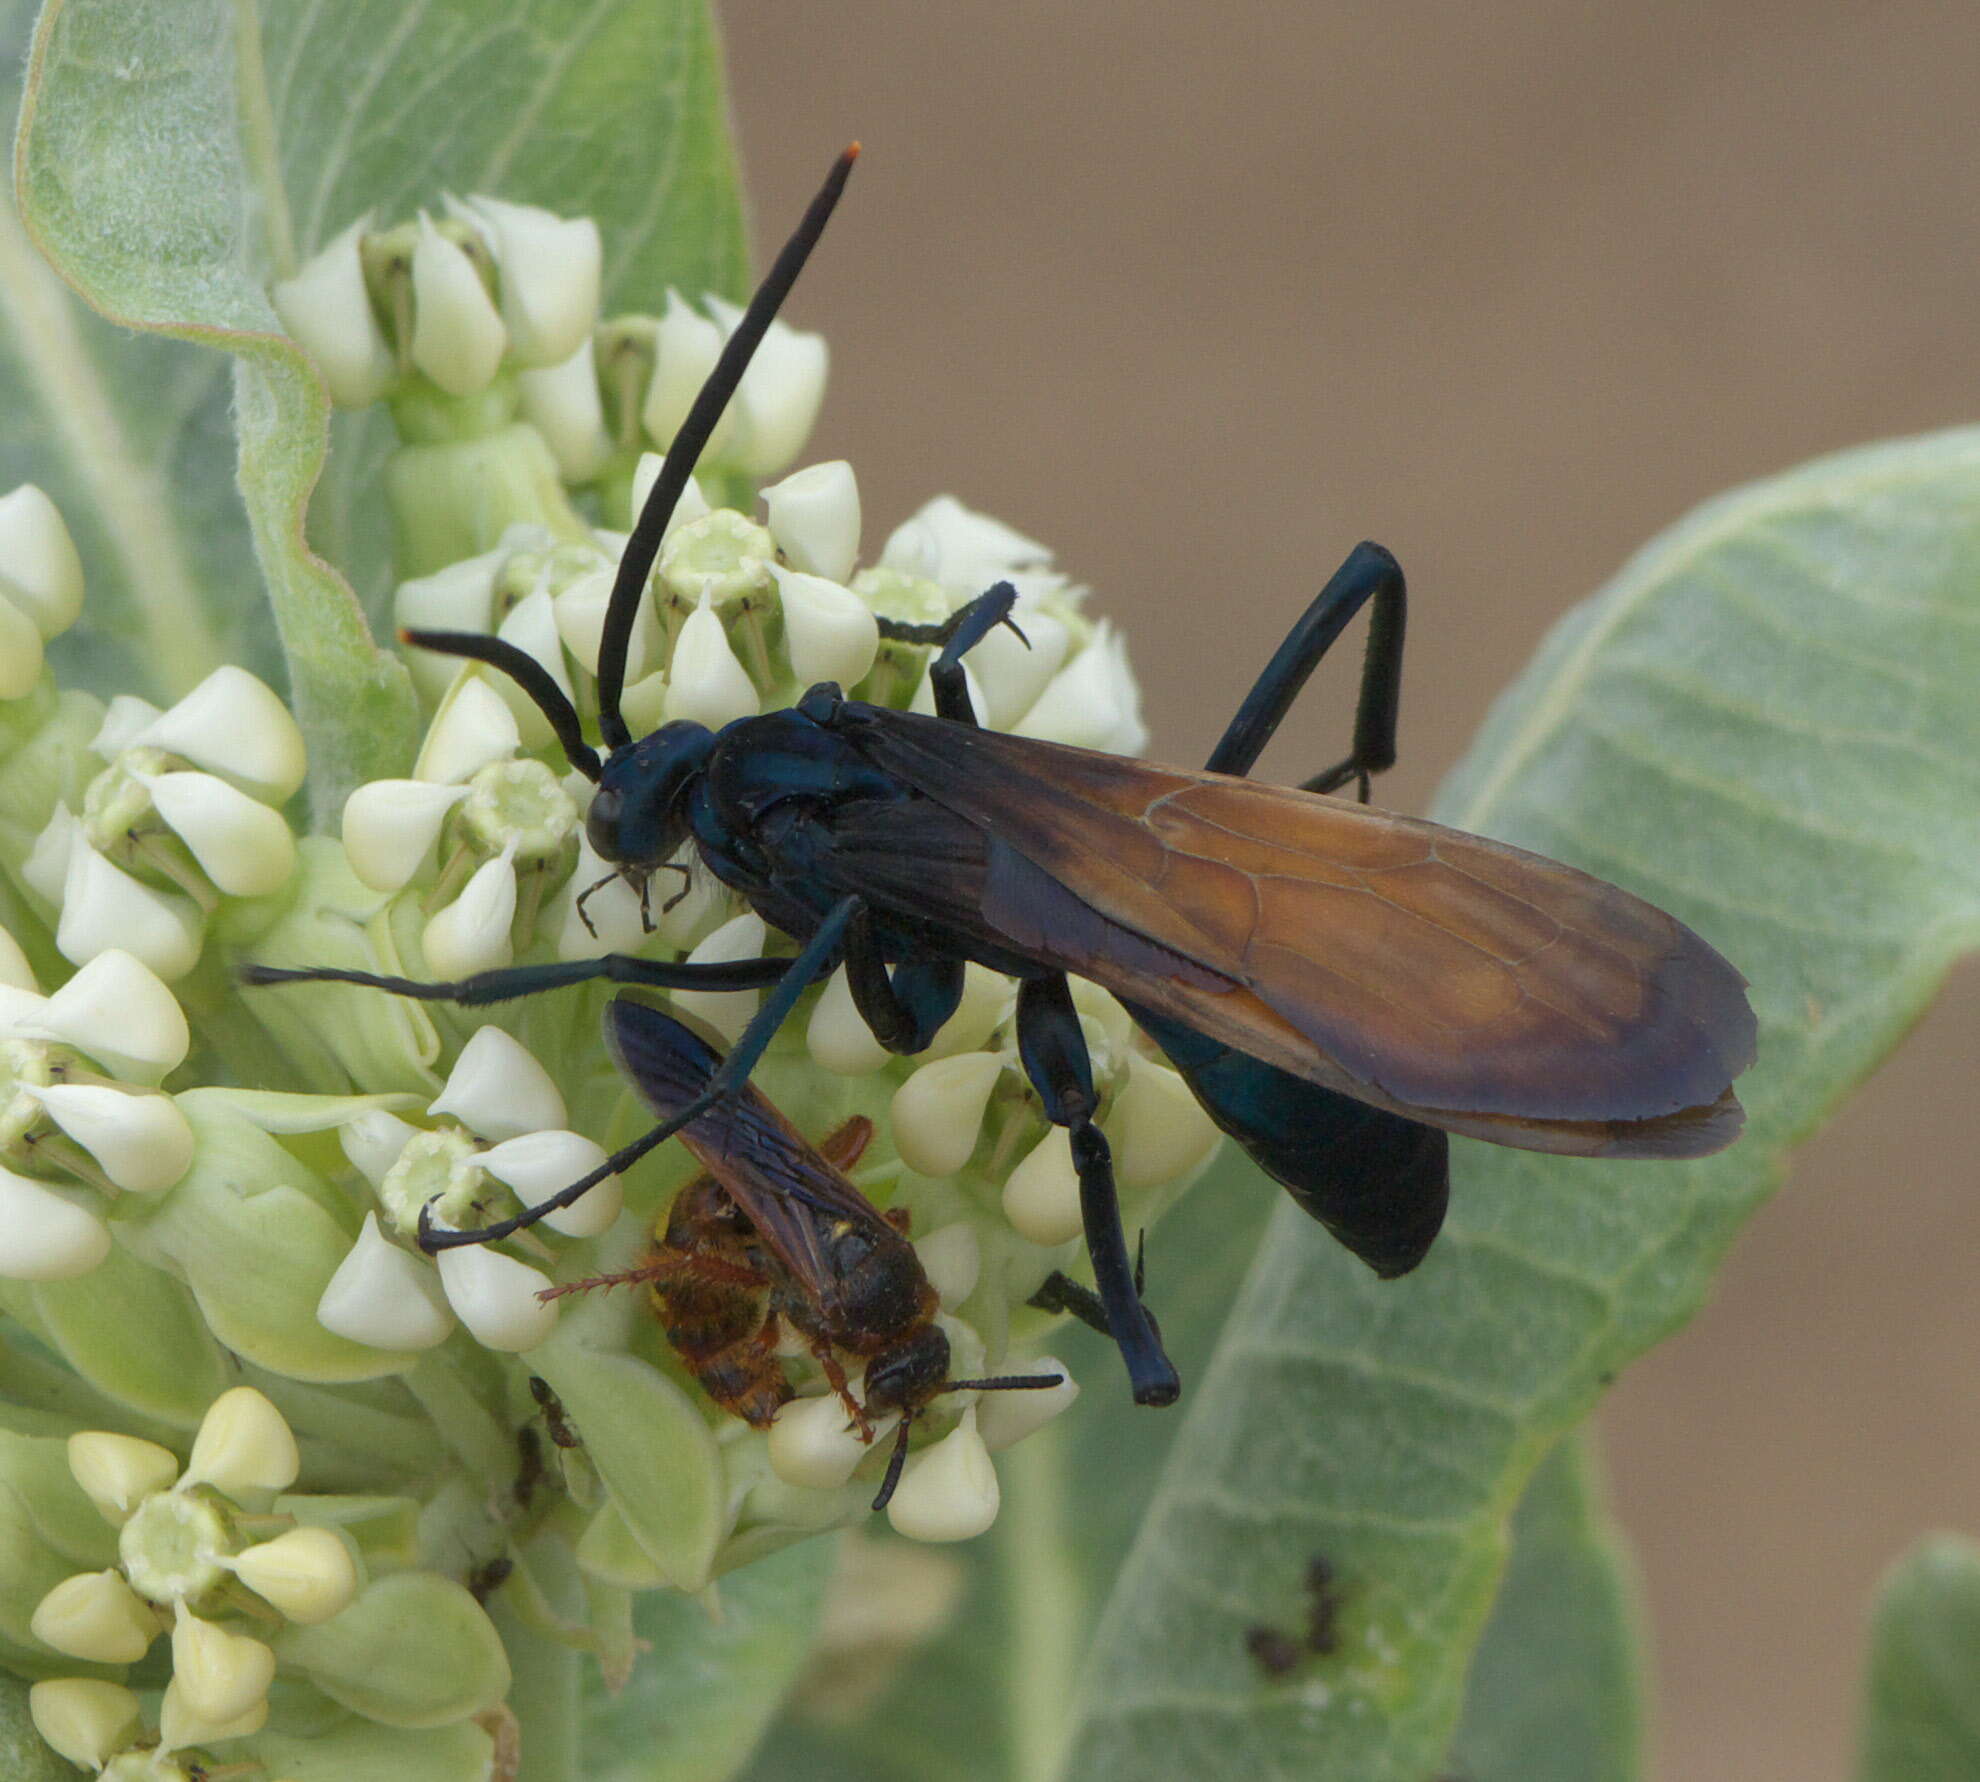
(906, 1007)
(1059, 1292)
(509, 982)
(958, 634)
(812, 962)
(1056, 1061)
(1369, 573)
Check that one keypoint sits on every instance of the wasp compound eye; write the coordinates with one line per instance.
(601, 824)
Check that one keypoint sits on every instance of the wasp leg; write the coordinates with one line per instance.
(1369, 573)
(1059, 1292)
(1056, 1061)
(835, 1377)
(905, 1008)
(527, 980)
(958, 634)
(811, 963)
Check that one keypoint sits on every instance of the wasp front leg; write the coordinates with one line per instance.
(958, 634)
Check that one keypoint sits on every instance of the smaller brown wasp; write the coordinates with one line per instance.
(774, 1235)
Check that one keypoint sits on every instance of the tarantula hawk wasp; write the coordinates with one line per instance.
(1341, 987)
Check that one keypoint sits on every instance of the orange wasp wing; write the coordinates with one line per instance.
(1449, 978)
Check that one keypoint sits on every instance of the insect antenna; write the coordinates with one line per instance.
(895, 1461)
(1008, 1383)
(688, 442)
(1004, 1383)
(528, 674)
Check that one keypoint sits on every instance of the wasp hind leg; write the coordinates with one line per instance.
(1369, 574)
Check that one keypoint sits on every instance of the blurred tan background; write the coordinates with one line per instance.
(1200, 296)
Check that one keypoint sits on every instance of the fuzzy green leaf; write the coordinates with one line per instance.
(988, 1696)
(1553, 1692)
(1765, 724)
(714, 1674)
(1921, 1710)
(175, 155)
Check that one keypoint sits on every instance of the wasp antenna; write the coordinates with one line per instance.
(528, 674)
(1004, 1383)
(686, 447)
(895, 1462)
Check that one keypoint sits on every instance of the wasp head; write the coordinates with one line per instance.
(908, 1375)
(638, 815)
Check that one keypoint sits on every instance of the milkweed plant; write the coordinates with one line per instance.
(286, 1497)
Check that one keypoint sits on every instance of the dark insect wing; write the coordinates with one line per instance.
(1448, 978)
(762, 1162)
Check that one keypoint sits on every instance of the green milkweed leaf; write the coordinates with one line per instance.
(1766, 725)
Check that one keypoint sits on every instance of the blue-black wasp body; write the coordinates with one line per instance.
(1340, 986)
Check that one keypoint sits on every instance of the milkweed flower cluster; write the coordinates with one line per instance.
(266, 1435)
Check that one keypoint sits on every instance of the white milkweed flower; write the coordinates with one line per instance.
(41, 585)
(182, 815)
(1003, 1419)
(458, 336)
(830, 633)
(691, 504)
(814, 517)
(502, 1127)
(390, 827)
(181, 1535)
(949, 1491)
(548, 268)
(686, 345)
(1069, 681)
(85, 1719)
(780, 394)
(473, 933)
(775, 406)
(327, 310)
(167, 1239)
(706, 682)
(49, 1237)
(564, 404)
(814, 1445)
(727, 1011)
(78, 1112)
(233, 725)
(938, 1112)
